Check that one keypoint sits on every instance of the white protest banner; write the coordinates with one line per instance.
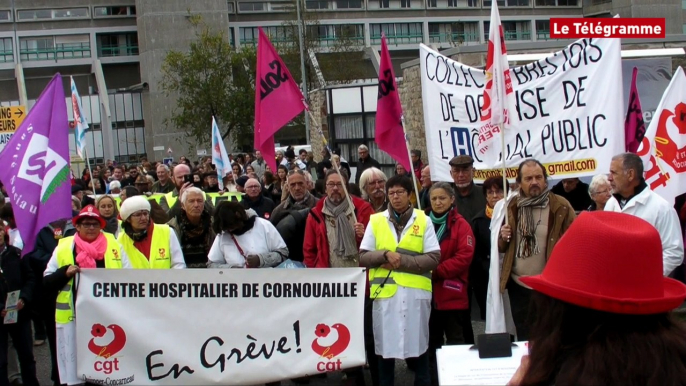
(663, 148)
(566, 111)
(217, 326)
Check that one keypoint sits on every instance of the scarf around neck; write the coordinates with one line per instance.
(88, 252)
(191, 230)
(135, 236)
(111, 225)
(440, 223)
(528, 245)
(345, 244)
(400, 220)
(489, 212)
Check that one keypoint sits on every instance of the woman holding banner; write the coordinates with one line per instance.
(89, 248)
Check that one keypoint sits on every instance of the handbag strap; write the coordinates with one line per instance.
(238, 246)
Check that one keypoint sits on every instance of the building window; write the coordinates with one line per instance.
(123, 44)
(6, 50)
(70, 13)
(232, 7)
(34, 14)
(513, 30)
(251, 7)
(542, 29)
(683, 28)
(433, 3)
(123, 11)
(405, 4)
(384, 3)
(350, 4)
(317, 4)
(55, 48)
(5, 16)
(558, 3)
(397, 33)
(683, 4)
(459, 32)
(596, 2)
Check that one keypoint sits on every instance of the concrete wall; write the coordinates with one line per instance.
(162, 26)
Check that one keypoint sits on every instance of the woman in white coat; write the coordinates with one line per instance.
(244, 240)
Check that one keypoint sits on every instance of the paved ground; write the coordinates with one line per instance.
(402, 375)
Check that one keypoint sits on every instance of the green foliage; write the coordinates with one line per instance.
(210, 79)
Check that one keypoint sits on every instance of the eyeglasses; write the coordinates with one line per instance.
(253, 187)
(293, 171)
(494, 193)
(90, 225)
(397, 192)
(141, 214)
(602, 191)
(332, 185)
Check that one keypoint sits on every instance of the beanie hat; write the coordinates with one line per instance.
(240, 181)
(132, 205)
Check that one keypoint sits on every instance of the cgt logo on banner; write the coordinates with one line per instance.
(105, 361)
(238, 327)
(563, 112)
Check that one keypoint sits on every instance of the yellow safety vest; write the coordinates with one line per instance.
(233, 196)
(160, 251)
(384, 283)
(64, 307)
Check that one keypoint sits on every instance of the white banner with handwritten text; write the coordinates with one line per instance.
(212, 326)
(566, 111)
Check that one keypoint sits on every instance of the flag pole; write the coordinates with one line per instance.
(414, 177)
(502, 144)
(314, 121)
(88, 165)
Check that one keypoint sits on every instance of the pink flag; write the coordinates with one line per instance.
(278, 98)
(498, 87)
(634, 125)
(390, 135)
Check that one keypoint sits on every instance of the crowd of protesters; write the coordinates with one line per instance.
(435, 261)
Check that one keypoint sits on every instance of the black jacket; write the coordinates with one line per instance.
(481, 227)
(263, 206)
(578, 198)
(364, 165)
(291, 227)
(16, 275)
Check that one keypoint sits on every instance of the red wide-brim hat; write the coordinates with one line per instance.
(609, 262)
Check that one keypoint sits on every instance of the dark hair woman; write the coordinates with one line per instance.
(602, 309)
(481, 226)
(450, 320)
(244, 240)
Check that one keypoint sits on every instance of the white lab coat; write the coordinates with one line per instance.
(654, 209)
(498, 312)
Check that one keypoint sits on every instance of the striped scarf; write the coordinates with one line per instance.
(528, 245)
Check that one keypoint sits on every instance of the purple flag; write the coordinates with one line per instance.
(35, 165)
(634, 126)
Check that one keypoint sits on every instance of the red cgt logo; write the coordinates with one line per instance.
(333, 350)
(106, 352)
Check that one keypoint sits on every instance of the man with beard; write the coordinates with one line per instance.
(537, 219)
(253, 199)
(290, 216)
(468, 198)
(372, 185)
(193, 228)
(332, 237)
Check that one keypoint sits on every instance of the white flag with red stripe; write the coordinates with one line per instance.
(494, 115)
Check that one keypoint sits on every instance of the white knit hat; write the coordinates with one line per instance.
(132, 205)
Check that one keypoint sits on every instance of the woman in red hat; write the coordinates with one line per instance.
(88, 248)
(602, 309)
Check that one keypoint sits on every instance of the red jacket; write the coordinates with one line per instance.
(450, 278)
(316, 248)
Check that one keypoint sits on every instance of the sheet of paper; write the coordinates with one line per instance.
(11, 317)
(66, 353)
(12, 300)
(457, 365)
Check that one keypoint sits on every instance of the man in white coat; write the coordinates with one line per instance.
(633, 196)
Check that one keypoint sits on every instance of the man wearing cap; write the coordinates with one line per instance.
(537, 219)
(212, 182)
(633, 196)
(468, 198)
(148, 245)
(170, 200)
(77, 191)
